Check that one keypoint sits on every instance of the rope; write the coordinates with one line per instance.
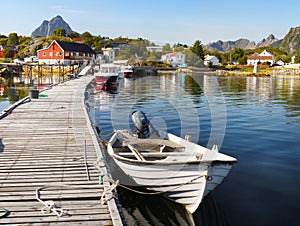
(108, 193)
(164, 191)
(49, 205)
(5, 212)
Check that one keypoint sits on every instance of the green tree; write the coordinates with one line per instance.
(6, 52)
(86, 35)
(237, 54)
(3, 41)
(193, 59)
(167, 48)
(178, 47)
(12, 39)
(73, 34)
(197, 48)
(88, 38)
(59, 32)
(297, 58)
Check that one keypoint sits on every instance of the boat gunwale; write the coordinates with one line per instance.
(141, 162)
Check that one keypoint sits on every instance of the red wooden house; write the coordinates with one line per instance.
(65, 53)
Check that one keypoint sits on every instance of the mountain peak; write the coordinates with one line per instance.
(243, 43)
(271, 37)
(47, 27)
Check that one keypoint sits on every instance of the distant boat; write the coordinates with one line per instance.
(107, 76)
(166, 164)
(127, 71)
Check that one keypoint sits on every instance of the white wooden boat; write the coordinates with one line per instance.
(169, 165)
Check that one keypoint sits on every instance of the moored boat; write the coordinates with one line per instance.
(127, 71)
(166, 164)
(107, 76)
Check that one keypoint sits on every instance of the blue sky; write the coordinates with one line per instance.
(158, 20)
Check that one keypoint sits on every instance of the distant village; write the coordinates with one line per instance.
(67, 53)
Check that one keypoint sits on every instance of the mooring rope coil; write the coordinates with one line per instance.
(49, 205)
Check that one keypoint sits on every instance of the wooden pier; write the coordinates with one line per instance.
(51, 167)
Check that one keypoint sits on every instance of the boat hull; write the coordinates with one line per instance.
(182, 183)
(128, 74)
(106, 82)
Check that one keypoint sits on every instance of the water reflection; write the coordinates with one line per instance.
(13, 92)
(155, 210)
(241, 90)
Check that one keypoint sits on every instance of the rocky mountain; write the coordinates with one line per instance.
(242, 43)
(291, 42)
(269, 41)
(229, 45)
(47, 27)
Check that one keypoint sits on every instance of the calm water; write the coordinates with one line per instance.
(256, 120)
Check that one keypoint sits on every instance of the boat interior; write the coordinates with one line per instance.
(148, 149)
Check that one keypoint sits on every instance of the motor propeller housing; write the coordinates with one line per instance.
(141, 124)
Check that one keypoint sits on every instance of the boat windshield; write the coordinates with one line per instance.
(109, 69)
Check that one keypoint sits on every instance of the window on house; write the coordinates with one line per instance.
(44, 54)
(58, 53)
(67, 53)
(50, 54)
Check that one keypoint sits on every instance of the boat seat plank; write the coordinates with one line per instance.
(153, 142)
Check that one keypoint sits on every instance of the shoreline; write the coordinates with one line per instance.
(275, 72)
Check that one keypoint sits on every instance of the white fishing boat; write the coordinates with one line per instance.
(107, 76)
(166, 164)
(127, 71)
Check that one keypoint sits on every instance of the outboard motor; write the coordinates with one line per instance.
(141, 124)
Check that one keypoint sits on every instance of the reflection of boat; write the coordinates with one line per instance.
(141, 209)
(127, 71)
(1, 90)
(107, 76)
(164, 163)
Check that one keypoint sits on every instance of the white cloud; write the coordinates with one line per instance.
(62, 9)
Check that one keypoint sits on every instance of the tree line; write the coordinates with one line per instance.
(195, 54)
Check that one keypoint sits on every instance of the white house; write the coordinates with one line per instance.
(264, 56)
(211, 60)
(280, 62)
(176, 59)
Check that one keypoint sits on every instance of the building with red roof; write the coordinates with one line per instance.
(59, 52)
(264, 56)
